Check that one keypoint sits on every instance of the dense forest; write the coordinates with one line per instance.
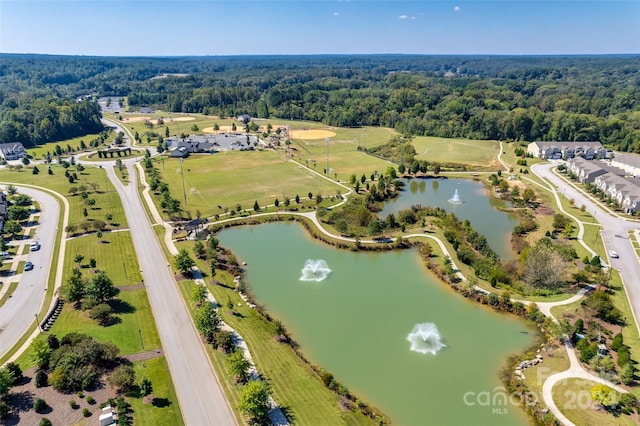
(480, 97)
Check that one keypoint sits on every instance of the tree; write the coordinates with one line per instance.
(183, 262)
(18, 213)
(15, 371)
(528, 195)
(74, 287)
(6, 381)
(239, 366)
(78, 258)
(12, 228)
(199, 250)
(207, 321)
(40, 354)
(100, 288)
(256, 206)
(602, 395)
(122, 378)
(25, 160)
(146, 387)
(254, 400)
(543, 266)
(627, 373)
(199, 294)
(35, 170)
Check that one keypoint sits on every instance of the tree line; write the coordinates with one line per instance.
(478, 97)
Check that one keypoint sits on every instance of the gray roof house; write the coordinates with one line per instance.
(211, 143)
(557, 150)
(12, 151)
(630, 163)
(585, 170)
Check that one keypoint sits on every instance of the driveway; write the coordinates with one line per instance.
(20, 311)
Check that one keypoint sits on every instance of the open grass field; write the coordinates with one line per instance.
(165, 411)
(107, 200)
(134, 313)
(573, 398)
(230, 178)
(114, 254)
(473, 152)
(40, 151)
(296, 387)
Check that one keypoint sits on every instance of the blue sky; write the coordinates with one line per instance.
(239, 27)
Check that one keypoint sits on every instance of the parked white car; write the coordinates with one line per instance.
(613, 254)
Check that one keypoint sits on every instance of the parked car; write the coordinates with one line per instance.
(613, 254)
(28, 266)
(34, 246)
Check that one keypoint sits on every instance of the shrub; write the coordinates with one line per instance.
(15, 371)
(73, 404)
(39, 405)
(102, 313)
(86, 412)
(45, 422)
(617, 342)
(90, 400)
(80, 394)
(41, 379)
(122, 378)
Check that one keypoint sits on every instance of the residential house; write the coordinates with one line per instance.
(244, 118)
(12, 151)
(630, 163)
(558, 150)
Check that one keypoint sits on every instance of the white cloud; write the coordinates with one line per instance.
(402, 17)
(336, 14)
(413, 17)
(457, 8)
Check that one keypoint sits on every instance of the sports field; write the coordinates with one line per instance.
(466, 151)
(230, 178)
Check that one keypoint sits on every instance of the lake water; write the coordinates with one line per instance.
(355, 324)
(476, 206)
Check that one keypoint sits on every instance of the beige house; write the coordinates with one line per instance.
(558, 150)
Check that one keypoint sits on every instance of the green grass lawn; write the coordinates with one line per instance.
(164, 410)
(107, 200)
(475, 153)
(40, 151)
(573, 398)
(115, 255)
(135, 314)
(230, 178)
(554, 362)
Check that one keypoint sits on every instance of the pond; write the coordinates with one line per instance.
(356, 321)
(476, 206)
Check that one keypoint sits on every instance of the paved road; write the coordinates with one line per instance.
(201, 399)
(614, 235)
(19, 312)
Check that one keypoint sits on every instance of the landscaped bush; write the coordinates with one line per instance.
(90, 400)
(45, 422)
(39, 405)
(86, 412)
(41, 379)
(73, 404)
(15, 371)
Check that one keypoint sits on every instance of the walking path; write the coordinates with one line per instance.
(276, 415)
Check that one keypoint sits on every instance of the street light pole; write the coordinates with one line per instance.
(326, 171)
(184, 193)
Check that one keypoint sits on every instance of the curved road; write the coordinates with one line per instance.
(200, 396)
(19, 311)
(614, 235)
